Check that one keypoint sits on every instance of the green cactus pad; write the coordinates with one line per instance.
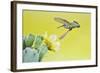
(30, 55)
(29, 40)
(38, 41)
(42, 51)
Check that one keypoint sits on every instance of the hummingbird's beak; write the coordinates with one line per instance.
(60, 26)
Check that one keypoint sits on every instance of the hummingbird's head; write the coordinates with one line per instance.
(76, 24)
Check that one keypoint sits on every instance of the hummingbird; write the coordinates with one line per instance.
(67, 25)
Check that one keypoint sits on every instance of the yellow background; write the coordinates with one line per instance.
(75, 45)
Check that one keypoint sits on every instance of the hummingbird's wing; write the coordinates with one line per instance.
(63, 21)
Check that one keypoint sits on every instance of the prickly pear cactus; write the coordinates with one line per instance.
(35, 47)
(35, 53)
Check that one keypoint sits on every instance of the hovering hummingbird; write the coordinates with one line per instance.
(67, 25)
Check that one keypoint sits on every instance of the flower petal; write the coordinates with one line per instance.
(53, 37)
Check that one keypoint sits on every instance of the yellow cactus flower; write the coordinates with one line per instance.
(52, 42)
